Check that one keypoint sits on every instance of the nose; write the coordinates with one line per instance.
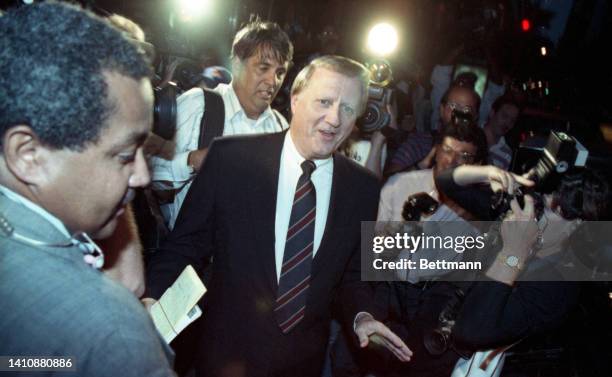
(333, 115)
(271, 79)
(140, 176)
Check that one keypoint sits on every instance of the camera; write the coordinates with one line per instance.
(164, 112)
(418, 205)
(561, 155)
(379, 96)
(462, 119)
(438, 340)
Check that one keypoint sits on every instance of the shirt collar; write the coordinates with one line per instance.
(233, 108)
(296, 158)
(17, 198)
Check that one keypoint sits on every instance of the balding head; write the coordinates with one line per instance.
(462, 99)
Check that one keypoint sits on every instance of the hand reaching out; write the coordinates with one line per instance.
(369, 330)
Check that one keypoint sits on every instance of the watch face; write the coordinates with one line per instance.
(512, 261)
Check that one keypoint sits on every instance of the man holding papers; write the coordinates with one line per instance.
(280, 214)
(76, 106)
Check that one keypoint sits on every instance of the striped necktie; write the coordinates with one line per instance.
(297, 260)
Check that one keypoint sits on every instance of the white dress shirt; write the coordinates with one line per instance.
(290, 172)
(399, 187)
(173, 172)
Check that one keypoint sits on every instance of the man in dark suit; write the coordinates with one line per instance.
(280, 214)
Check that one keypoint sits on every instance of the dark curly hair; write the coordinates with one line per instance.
(53, 57)
(468, 133)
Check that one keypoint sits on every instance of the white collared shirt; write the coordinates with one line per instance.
(174, 173)
(290, 172)
(399, 187)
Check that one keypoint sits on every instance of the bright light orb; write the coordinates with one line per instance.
(189, 10)
(382, 39)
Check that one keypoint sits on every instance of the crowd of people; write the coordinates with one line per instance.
(268, 210)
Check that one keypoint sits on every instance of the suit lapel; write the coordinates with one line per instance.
(337, 203)
(262, 191)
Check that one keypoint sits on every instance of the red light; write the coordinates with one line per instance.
(525, 24)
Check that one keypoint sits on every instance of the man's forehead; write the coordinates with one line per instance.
(458, 144)
(266, 54)
(132, 109)
(462, 96)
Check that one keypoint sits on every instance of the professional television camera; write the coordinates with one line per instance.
(379, 96)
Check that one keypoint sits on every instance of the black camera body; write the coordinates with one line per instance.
(438, 340)
(380, 95)
(376, 116)
(164, 112)
(460, 118)
(562, 154)
(417, 205)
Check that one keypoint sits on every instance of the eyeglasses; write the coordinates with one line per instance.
(462, 157)
(464, 109)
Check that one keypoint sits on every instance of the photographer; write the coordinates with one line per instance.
(506, 307)
(371, 153)
(261, 55)
(416, 151)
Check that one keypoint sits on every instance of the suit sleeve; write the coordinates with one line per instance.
(495, 314)
(477, 200)
(356, 295)
(192, 239)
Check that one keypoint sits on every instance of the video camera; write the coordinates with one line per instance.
(380, 95)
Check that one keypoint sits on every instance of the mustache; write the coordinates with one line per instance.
(129, 196)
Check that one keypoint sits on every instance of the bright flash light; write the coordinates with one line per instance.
(382, 39)
(188, 10)
(543, 51)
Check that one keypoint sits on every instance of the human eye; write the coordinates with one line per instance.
(281, 73)
(325, 102)
(126, 157)
(348, 110)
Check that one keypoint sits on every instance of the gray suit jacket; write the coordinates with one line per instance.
(53, 304)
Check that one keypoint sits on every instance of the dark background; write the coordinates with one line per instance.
(577, 71)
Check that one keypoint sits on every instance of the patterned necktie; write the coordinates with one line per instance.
(297, 259)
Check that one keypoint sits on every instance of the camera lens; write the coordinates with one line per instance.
(436, 342)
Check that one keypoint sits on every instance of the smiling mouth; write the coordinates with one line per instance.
(328, 135)
(266, 94)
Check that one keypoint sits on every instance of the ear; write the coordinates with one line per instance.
(24, 154)
(236, 66)
(294, 100)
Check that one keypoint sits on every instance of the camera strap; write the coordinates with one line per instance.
(213, 118)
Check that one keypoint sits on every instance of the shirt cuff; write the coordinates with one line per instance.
(181, 171)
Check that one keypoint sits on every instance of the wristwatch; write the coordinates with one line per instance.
(511, 261)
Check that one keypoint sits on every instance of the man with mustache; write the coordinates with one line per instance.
(261, 55)
(71, 134)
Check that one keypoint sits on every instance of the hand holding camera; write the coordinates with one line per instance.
(499, 180)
